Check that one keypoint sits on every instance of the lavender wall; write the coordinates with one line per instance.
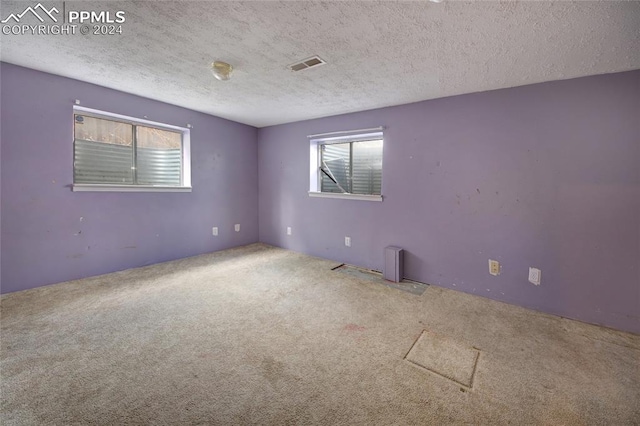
(546, 175)
(45, 241)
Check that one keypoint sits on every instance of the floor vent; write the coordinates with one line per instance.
(413, 287)
(314, 61)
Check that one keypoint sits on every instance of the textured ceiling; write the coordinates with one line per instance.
(378, 53)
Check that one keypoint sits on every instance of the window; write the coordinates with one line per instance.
(347, 167)
(118, 153)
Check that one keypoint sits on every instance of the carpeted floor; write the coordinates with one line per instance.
(261, 335)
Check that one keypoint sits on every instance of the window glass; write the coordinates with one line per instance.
(351, 167)
(158, 156)
(334, 167)
(103, 151)
(367, 167)
(108, 151)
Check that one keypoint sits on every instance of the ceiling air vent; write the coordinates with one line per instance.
(311, 62)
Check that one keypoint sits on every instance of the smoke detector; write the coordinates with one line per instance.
(312, 62)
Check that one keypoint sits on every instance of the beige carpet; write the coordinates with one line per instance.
(261, 335)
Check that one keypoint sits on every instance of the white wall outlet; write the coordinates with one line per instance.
(288, 230)
(214, 231)
(535, 275)
(237, 227)
(494, 267)
(347, 241)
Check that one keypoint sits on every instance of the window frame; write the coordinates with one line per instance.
(185, 178)
(315, 178)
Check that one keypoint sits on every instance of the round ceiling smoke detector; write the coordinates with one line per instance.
(221, 70)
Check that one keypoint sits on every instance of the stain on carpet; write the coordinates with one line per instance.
(445, 357)
(272, 369)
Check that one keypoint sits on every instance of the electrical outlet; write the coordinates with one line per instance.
(347, 241)
(237, 227)
(288, 230)
(214, 231)
(494, 267)
(535, 275)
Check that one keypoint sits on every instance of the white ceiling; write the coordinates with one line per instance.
(378, 53)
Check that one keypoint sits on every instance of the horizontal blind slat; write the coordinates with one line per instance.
(336, 158)
(159, 166)
(99, 162)
(103, 163)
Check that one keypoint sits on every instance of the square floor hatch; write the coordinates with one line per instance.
(444, 357)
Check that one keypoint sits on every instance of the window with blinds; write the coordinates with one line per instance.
(110, 151)
(351, 167)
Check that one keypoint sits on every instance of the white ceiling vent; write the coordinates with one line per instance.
(314, 61)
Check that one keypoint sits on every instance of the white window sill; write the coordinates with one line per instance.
(360, 197)
(84, 187)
